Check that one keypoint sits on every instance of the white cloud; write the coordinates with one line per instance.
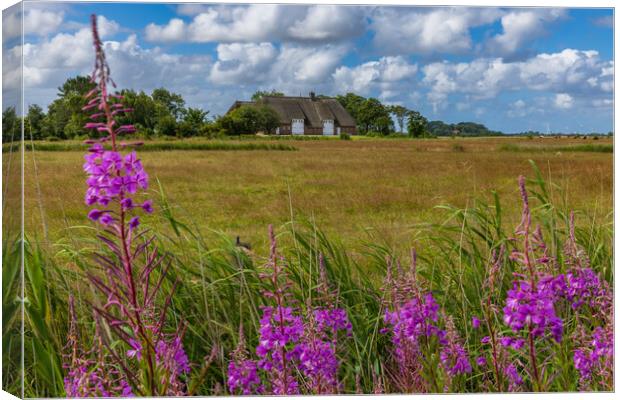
(288, 68)
(325, 22)
(307, 64)
(174, 31)
(518, 109)
(569, 71)
(520, 27)
(563, 101)
(191, 8)
(239, 63)
(384, 74)
(261, 23)
(36, 22)
(428, 30)
(48, 63)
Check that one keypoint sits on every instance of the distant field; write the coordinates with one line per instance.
(354, 189)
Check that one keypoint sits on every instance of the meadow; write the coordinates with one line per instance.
(346, 215)
(354, 189)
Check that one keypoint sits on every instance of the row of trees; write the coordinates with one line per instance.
(440, 128)
(160, 113)
(163, 113)
(376, 118)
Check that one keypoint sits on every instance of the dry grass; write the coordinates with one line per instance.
(351, 188)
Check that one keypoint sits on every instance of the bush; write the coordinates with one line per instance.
(52, 139)
(344, 136)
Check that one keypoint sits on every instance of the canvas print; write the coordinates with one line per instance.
(306, 199)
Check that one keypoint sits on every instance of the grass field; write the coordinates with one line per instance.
(356, 189)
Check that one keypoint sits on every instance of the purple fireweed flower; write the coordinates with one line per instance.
(172, 355)
(319, 364)
(147, 206)
(591, 359)
(482, 360)
(127, 203)
(454, 359)
(134, 222)
(243, 377)
(136, 349)
(475, 322)
(485, 340)
(279, 328)
(533, 307)
(334, 319)
(95, 214)
(514, 378)
(582, 287)
(114, 181)
(106, 219)
(316, 351)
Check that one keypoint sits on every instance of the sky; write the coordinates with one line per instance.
(512, 69)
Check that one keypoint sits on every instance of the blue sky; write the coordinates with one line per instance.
(513, 69)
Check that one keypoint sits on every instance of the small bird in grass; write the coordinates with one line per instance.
(244, 245)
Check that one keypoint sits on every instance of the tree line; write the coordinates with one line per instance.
(163, 113)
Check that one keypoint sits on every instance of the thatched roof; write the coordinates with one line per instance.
(312, 110)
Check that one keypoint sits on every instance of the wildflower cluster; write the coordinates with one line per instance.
(153, 361)
(414, 325)
(87, 375)
(535, 310)
(297, 349)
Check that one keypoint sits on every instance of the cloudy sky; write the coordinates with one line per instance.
(511, 69)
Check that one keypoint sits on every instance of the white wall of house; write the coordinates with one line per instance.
(328, 127)
(297, 126)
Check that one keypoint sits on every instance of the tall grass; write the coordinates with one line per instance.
(220, 288)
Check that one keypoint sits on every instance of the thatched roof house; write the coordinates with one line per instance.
(307, 115)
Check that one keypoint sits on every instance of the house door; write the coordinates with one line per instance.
(328, 127)
(297, 127)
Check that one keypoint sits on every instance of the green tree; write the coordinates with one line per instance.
(259, 94)
(144, 110)
(416, 124)
(79, 85)
(173, 102)
(370, 114)
(399, 113)
(352, 103)
(166, 126)
(34, 122)
(373, 116)
(68, 108)
(193, 122)
(11, 129)
(249, 119)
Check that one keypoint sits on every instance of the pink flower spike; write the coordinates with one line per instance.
(89, 106)
(94, 125)
(93, 91)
